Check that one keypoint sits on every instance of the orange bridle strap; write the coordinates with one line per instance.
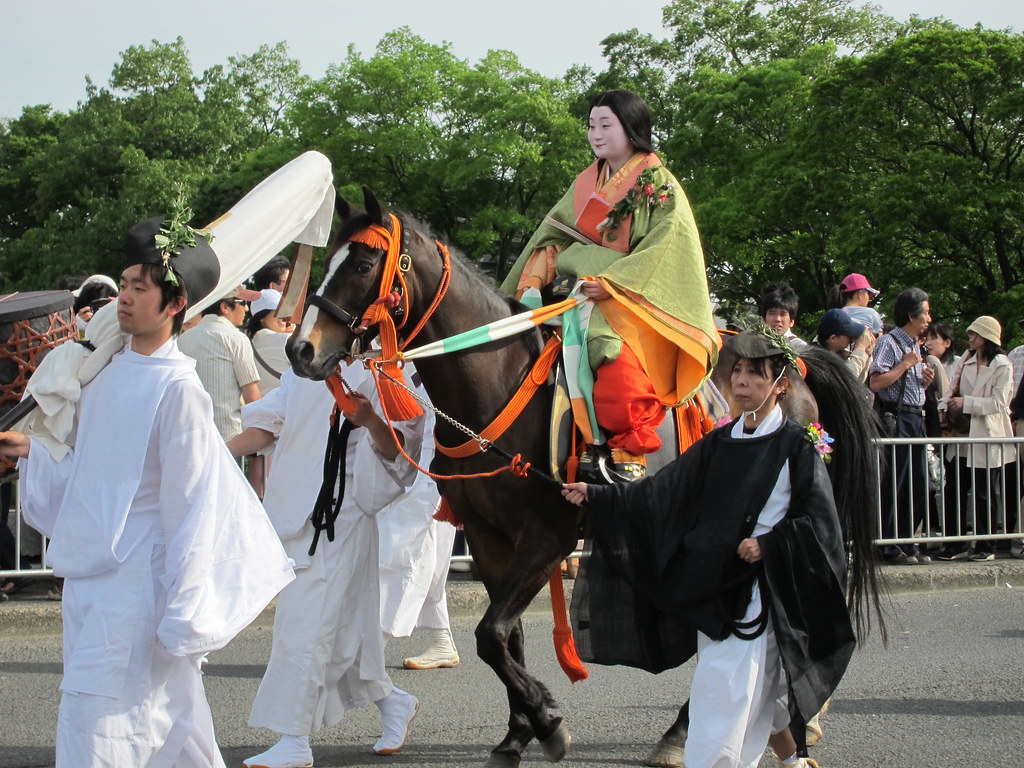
(537, 376)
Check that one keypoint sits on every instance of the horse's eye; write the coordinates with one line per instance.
(364, 267)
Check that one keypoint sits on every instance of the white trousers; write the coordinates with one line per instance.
(327, 655)
(737, 698)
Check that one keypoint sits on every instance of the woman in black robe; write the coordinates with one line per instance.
(734, 549)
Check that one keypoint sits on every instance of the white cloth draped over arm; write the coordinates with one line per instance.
(224, 563)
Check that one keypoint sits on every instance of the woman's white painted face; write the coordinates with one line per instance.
(608, 138)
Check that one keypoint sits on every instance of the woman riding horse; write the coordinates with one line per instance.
(625, 225)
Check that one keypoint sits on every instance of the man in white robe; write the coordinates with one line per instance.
(328, 652)
(415, 554)
(165, 551)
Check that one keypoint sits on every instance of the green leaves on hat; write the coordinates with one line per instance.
(176, 233)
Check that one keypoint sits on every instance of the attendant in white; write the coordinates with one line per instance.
(415, 554)
(328, 650)
(166, 553)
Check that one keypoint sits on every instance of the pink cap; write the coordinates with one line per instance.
(854, 282)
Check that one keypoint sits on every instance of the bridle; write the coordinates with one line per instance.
(389, 311)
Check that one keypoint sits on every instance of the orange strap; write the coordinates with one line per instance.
(537, 376)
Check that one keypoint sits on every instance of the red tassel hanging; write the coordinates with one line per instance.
(565, 647)
(445, 514)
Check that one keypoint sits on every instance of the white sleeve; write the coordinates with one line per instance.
(43, 483)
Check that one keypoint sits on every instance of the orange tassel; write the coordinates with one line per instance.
(565, 647)
(445, 514)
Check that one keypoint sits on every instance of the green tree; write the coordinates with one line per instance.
(929, 134)
(123, 153)
(478, 152)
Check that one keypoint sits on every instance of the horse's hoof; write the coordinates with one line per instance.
(557, 744)
(665, 755)
(502, 760)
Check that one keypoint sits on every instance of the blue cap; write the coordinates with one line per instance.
(835, 322)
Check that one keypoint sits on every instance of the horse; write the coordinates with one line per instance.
(519, 530)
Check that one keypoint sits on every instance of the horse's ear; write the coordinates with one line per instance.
(342, 207)
(373, 209)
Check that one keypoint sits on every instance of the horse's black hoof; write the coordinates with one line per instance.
(665, 755)
(502, 760)
(557, 744)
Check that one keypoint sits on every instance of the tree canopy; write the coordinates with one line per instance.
(814, 138)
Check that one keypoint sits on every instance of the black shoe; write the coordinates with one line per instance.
(901, 559)
(953, 553)
(982, 556)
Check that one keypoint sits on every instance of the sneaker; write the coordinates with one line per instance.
(953, 553)
(1017, 549)
(983, 557)
(901, 559)
(920, 556)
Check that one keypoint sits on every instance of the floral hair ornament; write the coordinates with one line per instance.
(647, 192)
(176, 233)
(821, 440)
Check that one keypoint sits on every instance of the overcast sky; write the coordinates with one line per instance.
(47, 47)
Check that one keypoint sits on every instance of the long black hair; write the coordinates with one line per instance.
(844, 409)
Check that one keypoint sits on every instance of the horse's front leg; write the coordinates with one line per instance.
(520, 732)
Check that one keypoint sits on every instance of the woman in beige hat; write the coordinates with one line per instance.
(981, 389)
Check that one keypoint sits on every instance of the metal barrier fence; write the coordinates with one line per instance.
(943, 500)
(930, 490)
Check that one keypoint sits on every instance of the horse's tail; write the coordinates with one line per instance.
(844, 408)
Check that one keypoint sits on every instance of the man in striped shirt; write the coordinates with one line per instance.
(898, 378)
(224, 360)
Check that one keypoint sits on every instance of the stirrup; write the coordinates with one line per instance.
(601, 466)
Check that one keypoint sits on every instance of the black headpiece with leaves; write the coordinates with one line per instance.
(184, 252)
(761, 342)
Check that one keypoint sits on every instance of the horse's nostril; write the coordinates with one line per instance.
(300, 352)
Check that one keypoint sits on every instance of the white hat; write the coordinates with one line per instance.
(102, 279)
(268, 300)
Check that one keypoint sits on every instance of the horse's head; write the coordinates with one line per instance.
(339, 316)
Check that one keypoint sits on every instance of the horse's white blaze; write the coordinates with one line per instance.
(312, 313)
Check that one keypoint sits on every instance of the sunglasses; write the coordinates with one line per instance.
(237, 301)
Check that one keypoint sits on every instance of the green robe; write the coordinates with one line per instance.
(663, 275)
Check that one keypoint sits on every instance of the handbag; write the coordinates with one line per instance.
(957, 422)
(887, 411)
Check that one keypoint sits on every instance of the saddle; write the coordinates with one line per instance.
(572, 460)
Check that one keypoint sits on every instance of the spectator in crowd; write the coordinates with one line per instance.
(165, 552)
(274, 275)
(778, 309)
(1016, 356)
(268, 334)
(837, 332)
(941, 340)
(898, 377)
(982, 390)
(853, 291)
(95, 292)
(224, 359)
(327, 655)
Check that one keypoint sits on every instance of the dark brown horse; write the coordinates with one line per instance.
(519, 529)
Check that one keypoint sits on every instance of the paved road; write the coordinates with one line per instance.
(947, 691)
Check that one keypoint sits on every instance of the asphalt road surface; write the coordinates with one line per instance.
(947, 691)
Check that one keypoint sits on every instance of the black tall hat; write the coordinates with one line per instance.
(196, 265)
